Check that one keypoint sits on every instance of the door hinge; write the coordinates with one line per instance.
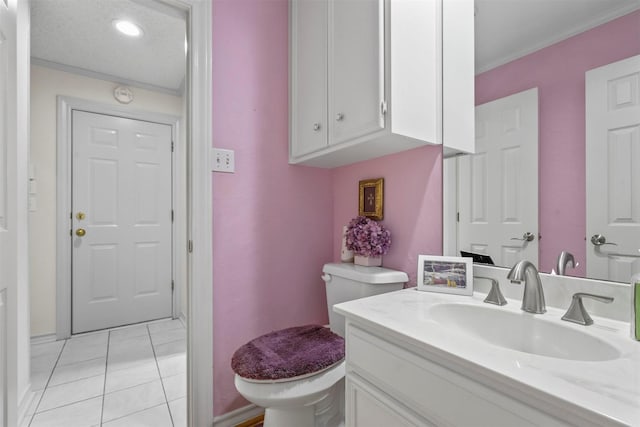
(172, 215)
(383, 107)
(173, 285)
(172, 146)
(190, 246)
(458, 216)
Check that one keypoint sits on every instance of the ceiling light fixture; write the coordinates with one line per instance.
(127, 28)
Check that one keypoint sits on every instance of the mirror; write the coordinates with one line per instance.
(548, 45)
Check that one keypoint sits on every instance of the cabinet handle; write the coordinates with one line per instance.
(316, 127)
(339, 117)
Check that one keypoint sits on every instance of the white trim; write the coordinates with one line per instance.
(556, 38)
(25, 404)
(233, 418)
(200, 292)
(104, 76)
(168, 9)
(65, 106)
(43, 339)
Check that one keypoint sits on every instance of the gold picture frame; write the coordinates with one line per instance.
(371, 200)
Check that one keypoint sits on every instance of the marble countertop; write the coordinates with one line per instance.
(606, 392)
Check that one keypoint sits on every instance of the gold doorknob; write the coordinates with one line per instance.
(80, 232)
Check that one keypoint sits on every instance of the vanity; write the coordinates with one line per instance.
(427, 359)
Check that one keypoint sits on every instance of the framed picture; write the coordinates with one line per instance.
(446, 274)
(371, 198)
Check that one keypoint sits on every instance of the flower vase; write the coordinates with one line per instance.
(368, 261)
(345, 254)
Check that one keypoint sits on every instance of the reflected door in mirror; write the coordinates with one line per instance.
(613, 170)
(498, 186)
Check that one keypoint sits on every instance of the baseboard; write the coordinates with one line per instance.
(233, 418)
(25, 404)
(43, 339)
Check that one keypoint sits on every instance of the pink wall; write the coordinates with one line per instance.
(275, 224)
(412, 204)
(271, 221)
(559, 73)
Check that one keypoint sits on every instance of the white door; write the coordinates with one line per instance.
(121, 216)
(613, 170)
(498, 186)
(8, 184)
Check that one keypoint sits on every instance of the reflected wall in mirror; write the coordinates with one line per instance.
(555, 64)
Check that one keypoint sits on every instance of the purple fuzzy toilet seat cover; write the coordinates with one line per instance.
(288, 353)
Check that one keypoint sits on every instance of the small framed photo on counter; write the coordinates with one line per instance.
(371, 198)
(445, 274)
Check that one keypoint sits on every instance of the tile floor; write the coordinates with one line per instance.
(132, 376)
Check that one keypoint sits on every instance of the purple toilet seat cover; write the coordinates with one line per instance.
(288, 353)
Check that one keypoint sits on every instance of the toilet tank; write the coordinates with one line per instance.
(346, 282)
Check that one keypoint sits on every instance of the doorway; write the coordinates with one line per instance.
(197, 131)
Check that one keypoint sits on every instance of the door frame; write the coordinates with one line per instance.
(199, 129)
(65, 107)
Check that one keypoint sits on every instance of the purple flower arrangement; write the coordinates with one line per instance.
(366, 237)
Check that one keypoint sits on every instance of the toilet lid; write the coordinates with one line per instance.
(288, 353)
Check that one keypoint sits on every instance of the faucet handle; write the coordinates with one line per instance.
(495, 295)
(577, 313)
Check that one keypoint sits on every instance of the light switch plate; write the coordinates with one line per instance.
(223, 160)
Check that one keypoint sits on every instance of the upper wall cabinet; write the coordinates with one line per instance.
(375, 77)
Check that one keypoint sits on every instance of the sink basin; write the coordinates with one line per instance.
(523, 332)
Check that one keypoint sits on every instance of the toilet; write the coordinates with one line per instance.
(297, 374)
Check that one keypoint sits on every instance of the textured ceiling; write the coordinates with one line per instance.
(509, 29)
(79, 33)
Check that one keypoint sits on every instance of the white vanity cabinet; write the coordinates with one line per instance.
(414, 359)
(390, 383)
(374, 77)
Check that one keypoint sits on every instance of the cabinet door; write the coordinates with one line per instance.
(367, 406)
(356, 68)
(308, 107)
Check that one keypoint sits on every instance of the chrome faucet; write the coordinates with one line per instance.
(533, 298)
(563, 260)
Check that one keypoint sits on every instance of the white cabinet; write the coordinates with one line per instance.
(374, 77)
(391, 381)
